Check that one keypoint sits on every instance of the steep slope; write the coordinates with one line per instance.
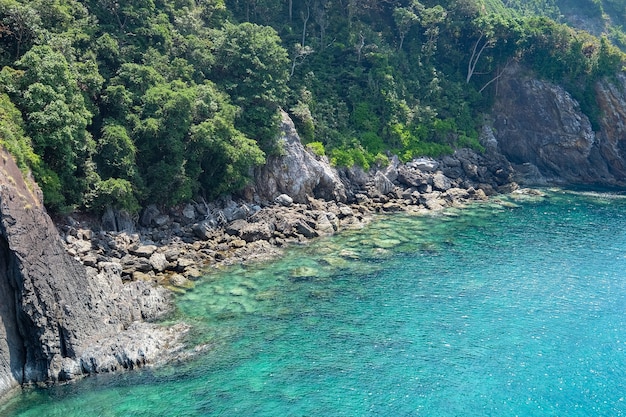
(56, 322)
(540, 128)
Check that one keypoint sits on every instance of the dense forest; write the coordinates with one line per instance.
(125, 103)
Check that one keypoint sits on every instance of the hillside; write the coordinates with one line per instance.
(126, 104)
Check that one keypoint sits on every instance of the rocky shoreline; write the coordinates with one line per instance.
(81, 298)
(173, 248)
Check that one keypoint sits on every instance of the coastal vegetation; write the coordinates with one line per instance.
(157, 101)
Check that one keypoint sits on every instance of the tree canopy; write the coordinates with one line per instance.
(159, 101)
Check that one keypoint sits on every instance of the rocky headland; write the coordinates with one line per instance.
(59, 320)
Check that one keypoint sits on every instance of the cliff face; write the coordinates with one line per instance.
(297, 173)
(540, 128)
(56, 322)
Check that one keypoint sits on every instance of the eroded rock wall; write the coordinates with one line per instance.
(540, 128)
(56, 321)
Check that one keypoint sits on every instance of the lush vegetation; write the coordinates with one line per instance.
(158, 101)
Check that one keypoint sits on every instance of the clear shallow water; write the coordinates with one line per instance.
(492, 310)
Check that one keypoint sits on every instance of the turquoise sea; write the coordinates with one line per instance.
(512, 309)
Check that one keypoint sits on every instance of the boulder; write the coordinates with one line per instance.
(412, 177)
(441, 182)
(158, 262)
(424, 164)
(284, 200)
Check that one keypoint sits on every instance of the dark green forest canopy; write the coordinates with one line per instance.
(122, 104)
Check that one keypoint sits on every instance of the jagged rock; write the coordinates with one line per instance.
(362, 198)
(297, 172)
(148, 215)
(54, 316)
(457, 194)
(180, 281)
(305, 230)
(392, 207)
(323, 225)
(235, 212)
(117, 221)
(345, 211)
(412, 177)
(424, 164)
(189, 212)
(250, 231)
(539, 123)
(382, 184)
(432, 201)
(133, 263)
(205, 229)
(143, 251)
(441, 182)
(158, 261)
(161, 220)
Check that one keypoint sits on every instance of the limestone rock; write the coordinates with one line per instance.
(284, 200)
(158, 261)
(441, 182)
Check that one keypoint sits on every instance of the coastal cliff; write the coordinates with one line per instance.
(79, 302)
(58, 322)
(540, 128)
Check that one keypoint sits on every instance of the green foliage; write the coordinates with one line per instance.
(13, 138)
(317, 148)
(123, 103)
(47, 91)
(115, 192)
(252, 66)
(222, 155)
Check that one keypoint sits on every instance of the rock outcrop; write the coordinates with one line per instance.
(540, 128)
(297, 172)
(57, 321)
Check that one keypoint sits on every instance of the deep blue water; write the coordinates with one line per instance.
(495, 310)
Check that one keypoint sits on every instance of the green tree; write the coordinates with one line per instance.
(46, 90)
(253, 67)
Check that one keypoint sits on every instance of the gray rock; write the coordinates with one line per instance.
(236, 212)
(148, 215)
(158, 261)
(305, 230)
(54, 315)
(424, 164)
(412, 177)
(143, 251)
(382, 184)
(541, 124)
(250, 231)
(117, 221)
(161, 220)
(189, 212)
(205, 229)
(324, 226)
(441, 182)
(296, 172)
(284, 200)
